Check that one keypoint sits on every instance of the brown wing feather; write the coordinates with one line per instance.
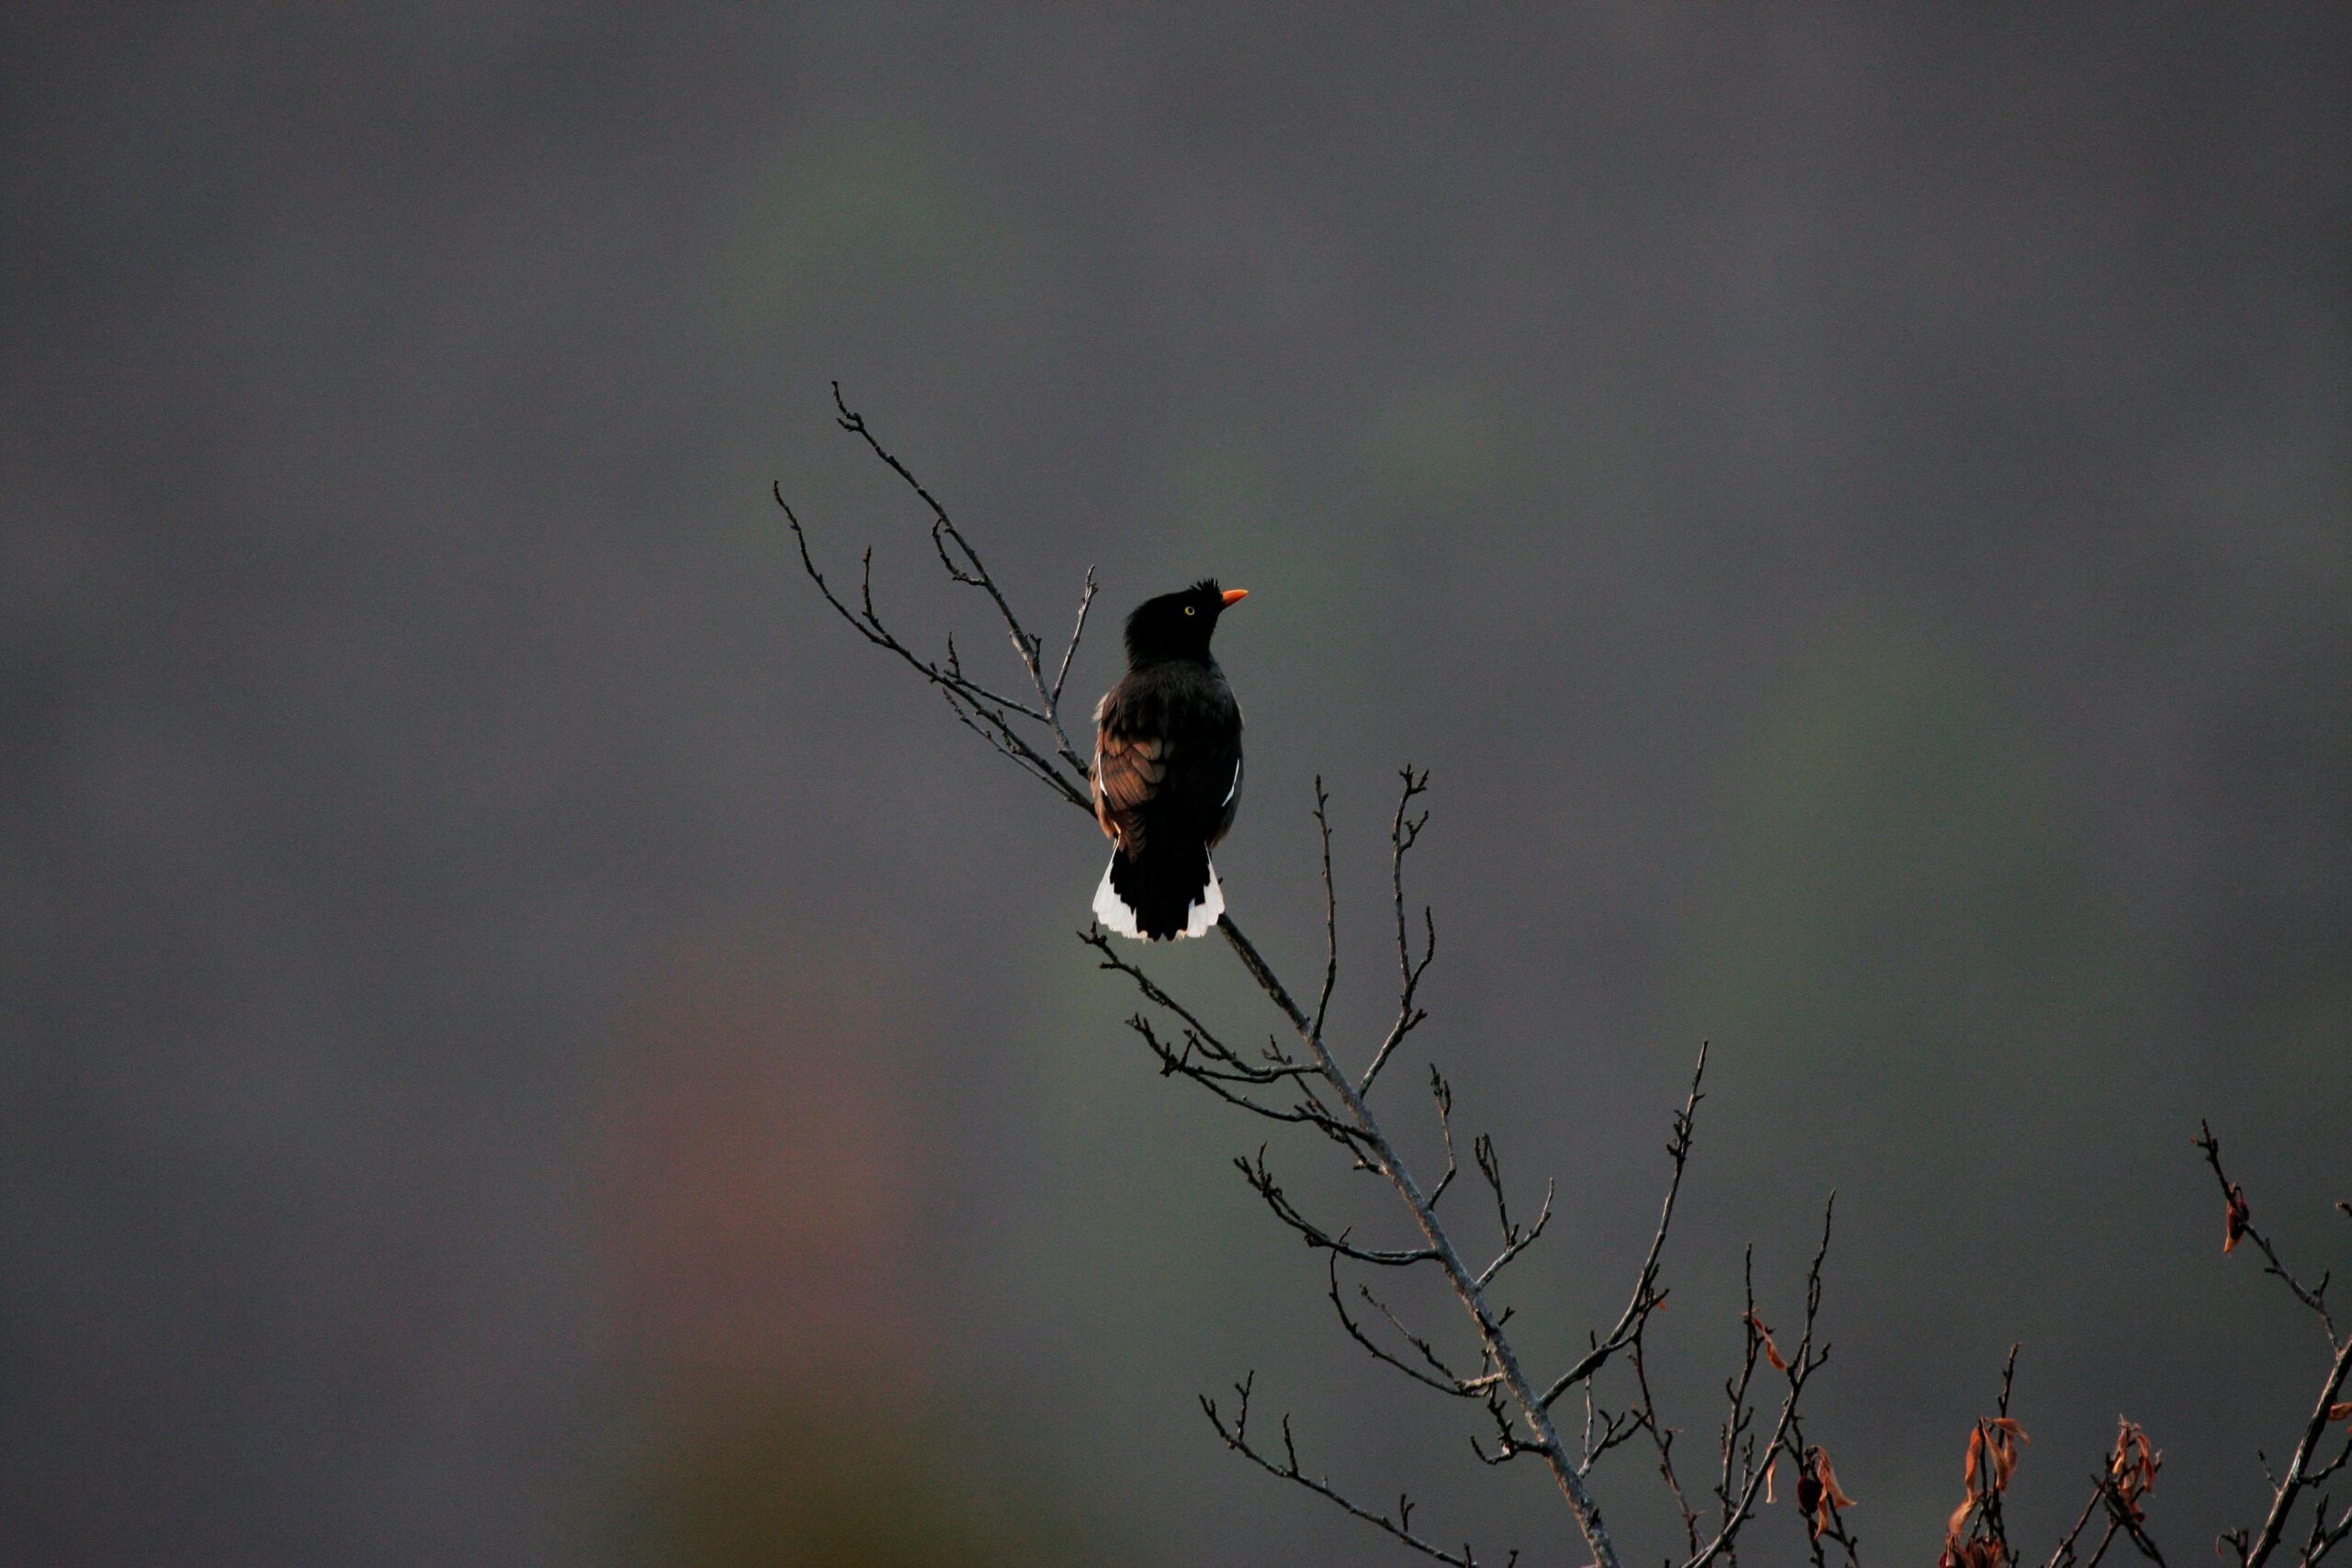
(1158, 753)
(1125, 777)
(1127, 772)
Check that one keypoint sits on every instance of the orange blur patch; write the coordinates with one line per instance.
(764, 1188)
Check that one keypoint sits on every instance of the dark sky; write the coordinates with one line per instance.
(1854, 504)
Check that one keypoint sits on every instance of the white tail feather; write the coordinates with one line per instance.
(1116, 917)
(1204, 914)
(1112, 909)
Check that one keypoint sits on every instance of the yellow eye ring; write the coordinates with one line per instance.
(1189, 611)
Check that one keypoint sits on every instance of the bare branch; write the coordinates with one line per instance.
(1435, 1373)
(1085, 602)
(969, 699)
(869, 624)
(1262, 1180)
(996, 730)
(1821, 1506)
(1662, 1438)
(1101, 944)
(1442, 1093)
(971, 571)
(2300, 1473)
(1400, 1528)
(1734, 1436)
(1517, 1241)
(2239, 1225)
(1509, 1444)
(2126, 1520)
(1209, 1062)
(1112, 960)
(1330, 909)
(1182, 1064)
(943, 530)
(1482, 1149)
(1382, 1155)
(2063, 1555)
(1646, 1296)
(2325, 1536)
(1404, 832)
(1799, 1371)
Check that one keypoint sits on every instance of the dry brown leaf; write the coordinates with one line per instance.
(1971, 1554)
(1836, 1494)
(2133, 1465)
(2234, 1223)
(1832, 1494)
(2002, 1446)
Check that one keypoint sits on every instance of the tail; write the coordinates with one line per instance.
(1165, 894)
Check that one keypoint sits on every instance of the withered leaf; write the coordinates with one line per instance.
(1971, 1554)
(2132, 1469)
(2002, 1446)
(1831, 1491)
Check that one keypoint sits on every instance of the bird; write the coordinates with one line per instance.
(1167, 775)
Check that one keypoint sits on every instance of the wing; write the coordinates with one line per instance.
(1201, 783)
(1232, 804)
(1128, 769)
(1167, 760)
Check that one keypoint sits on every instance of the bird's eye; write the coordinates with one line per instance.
(1189, 611)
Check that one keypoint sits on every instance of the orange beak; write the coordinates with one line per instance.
(1235, 595)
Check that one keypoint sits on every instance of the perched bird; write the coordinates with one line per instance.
(1166, 769)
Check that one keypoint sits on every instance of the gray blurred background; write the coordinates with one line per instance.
(521, 1042)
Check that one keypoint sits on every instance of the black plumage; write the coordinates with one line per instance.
(1166, 769)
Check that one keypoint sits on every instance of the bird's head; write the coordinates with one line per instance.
(1177, 625)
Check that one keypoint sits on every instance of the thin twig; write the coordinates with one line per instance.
(1646, 1297)
(1435, 1372)
(1331, 907)
(2241, 1225)
(1400, 1528)
(1662, 1438)
(986, 712)
(1404, 832)
(1800, 1370)
(1085, 602)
